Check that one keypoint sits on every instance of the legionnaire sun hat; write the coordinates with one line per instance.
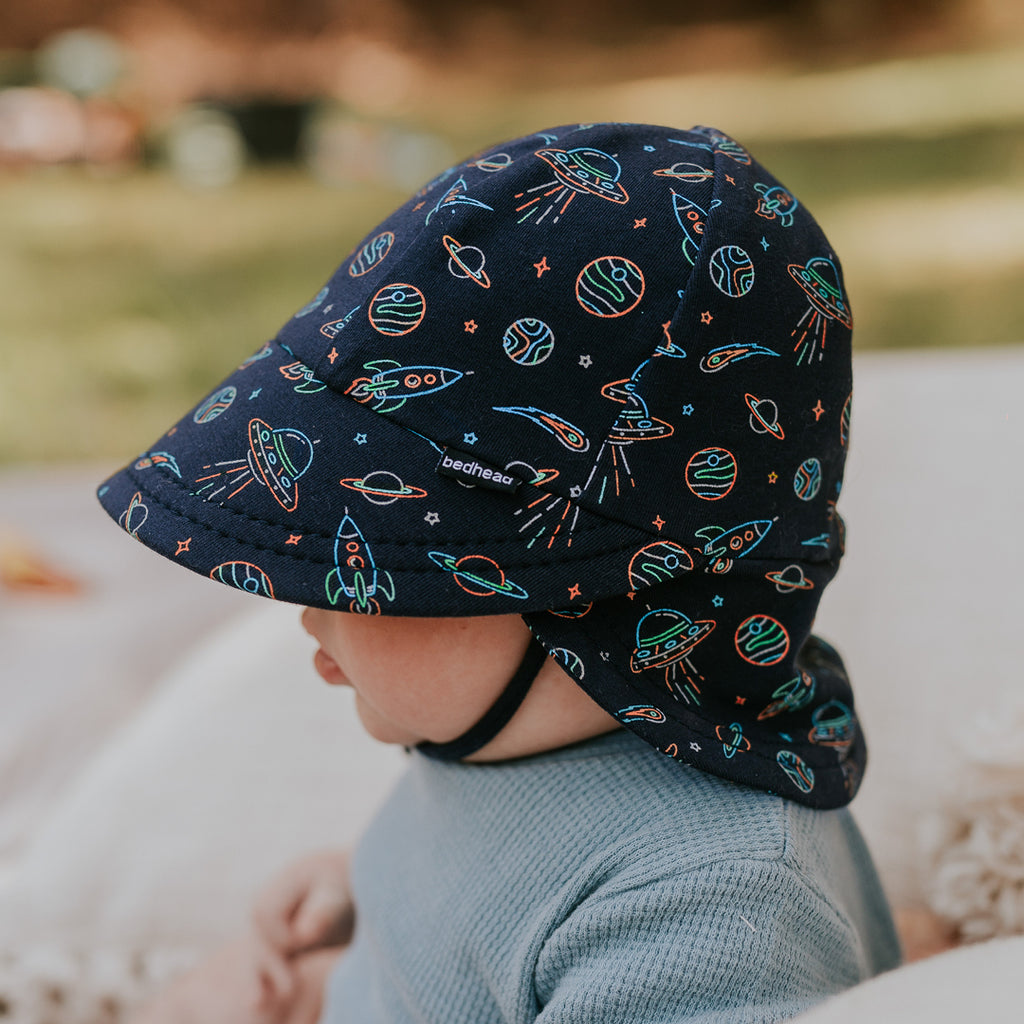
(598, 376)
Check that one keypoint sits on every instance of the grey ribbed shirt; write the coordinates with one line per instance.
(603, 882)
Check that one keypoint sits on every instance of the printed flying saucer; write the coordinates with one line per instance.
(382, 487)
(280, 457)
(666, 635)
(636, 425)
(819, 280)
(478, 575)
(468, 259)
(587, 170)
(764, 416)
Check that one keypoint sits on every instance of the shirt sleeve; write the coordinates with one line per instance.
(730, 943)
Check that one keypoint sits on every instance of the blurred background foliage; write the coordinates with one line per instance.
(176, 178)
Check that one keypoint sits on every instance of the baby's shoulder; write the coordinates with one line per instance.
(646, 809)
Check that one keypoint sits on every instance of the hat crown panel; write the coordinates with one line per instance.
(622, 304)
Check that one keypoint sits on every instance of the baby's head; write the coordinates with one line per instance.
(598, 378)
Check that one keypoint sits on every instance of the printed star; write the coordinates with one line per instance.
(182, 546)
(470, 438)
(718, 600)
(542, 266)
(741, 700)
(327, 308)
(433, 518)
(818, 410)
(631, 594)
(658, 522)
(332, 355)
(359, 439)
(418, 206)
(470, 326)
(695, 747)
(687, 410)
(575, 491)
(641, 223)
(585, 361)
(706, 317)
(772, 477)
(729, 178)
(255, 394)
(293, 538)
(574, 592)
(605, 655)
(764, 243)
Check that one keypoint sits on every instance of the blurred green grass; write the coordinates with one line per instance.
(126, 297)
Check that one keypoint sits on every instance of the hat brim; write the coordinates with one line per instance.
(282, 487)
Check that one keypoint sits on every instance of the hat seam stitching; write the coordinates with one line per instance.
(603, 524)
(152, 495)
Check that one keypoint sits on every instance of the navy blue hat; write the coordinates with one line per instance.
(599, 376)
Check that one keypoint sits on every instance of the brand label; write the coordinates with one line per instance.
(468, 469)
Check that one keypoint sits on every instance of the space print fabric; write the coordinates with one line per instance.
(598, 376)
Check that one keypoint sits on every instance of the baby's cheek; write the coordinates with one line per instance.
(382, 726)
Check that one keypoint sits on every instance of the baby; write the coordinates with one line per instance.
(552, 462)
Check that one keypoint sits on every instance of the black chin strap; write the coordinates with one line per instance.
(498, 716)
